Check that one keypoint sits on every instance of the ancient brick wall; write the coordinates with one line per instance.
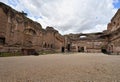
(17, 32)
(3, 23)
(92, 42)
(59, 42)
(115, 22)
(114, 34)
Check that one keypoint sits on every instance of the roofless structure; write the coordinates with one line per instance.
(21, 34)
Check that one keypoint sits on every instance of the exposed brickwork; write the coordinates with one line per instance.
(114, 34)
(92, 42)
(19, 33)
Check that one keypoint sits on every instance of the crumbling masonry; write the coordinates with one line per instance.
(20, 34)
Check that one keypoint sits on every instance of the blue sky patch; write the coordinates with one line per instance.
(13, 2)
(37, 17)
(117, 4)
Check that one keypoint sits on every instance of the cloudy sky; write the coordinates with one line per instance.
(69, 16)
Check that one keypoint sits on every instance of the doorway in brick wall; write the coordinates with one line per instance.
(63, 49)
(68, 47)
(81, 49)
(2, 40)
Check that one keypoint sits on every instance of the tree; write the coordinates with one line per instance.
(25, 14)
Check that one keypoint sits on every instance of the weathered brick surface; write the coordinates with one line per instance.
(21, 33)
(114, 33)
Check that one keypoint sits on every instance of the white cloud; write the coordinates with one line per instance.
(73, 16)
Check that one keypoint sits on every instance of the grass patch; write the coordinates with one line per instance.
(46, 52)
(9, 54)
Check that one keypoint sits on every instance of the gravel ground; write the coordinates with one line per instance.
(74, 67)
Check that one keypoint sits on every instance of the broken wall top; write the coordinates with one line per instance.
(20, 17)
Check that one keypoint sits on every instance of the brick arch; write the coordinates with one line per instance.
(30, 31)
(83, 36)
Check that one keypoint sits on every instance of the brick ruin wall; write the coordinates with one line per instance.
(114, 34)
(17, 32)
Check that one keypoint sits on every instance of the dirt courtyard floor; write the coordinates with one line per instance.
(72, 67)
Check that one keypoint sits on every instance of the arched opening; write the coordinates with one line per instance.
(83, 36)
(2, 40)
(30, 32)
(68, 47)
(81, 49)
(104, 49)
(63, 49)
(45, 45)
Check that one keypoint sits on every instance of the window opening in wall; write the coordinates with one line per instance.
(2, 41)
(83, 36)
